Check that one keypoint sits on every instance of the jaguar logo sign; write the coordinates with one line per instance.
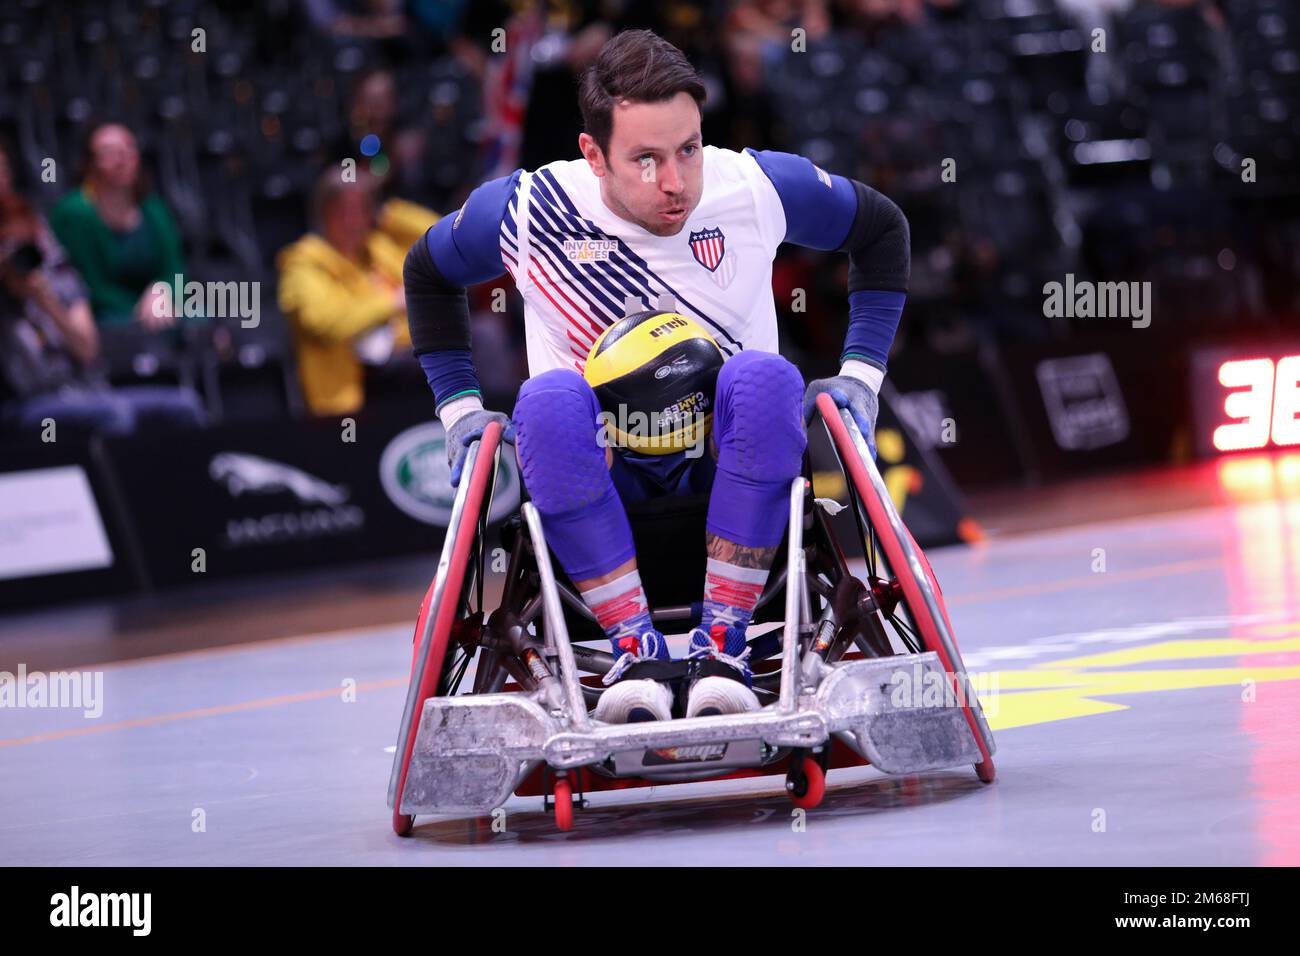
(322, 509)
(249, 474)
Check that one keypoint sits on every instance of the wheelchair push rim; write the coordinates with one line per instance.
(914, 584)
(445, 604)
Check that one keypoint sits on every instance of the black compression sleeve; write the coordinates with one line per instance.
(437, 310)
(879, 244)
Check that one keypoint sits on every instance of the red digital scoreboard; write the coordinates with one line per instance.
(1246, 399)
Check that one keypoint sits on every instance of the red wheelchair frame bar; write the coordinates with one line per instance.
(908, 564)
(426, 666)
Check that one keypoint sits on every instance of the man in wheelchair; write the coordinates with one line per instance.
(645, 269)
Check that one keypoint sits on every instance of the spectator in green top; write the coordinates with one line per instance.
(120, 238)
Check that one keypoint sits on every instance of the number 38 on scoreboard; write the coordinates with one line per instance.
(1246, 402)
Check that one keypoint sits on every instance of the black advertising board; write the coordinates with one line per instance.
(923, 492)
(919, 486)
(252, 499)
(166, 510)
(954, 406)
(1101, 401)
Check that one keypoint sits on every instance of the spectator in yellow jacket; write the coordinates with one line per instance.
(341, 289)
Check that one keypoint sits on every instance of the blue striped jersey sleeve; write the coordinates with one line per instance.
(466, 247)
(819, 207)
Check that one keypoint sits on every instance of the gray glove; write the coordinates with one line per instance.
(468, 428)
(847, 392)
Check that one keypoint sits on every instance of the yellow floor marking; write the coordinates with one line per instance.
(1177, 651)
(1059, 690)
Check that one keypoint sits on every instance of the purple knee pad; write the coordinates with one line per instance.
(564, 471)
(758, 428)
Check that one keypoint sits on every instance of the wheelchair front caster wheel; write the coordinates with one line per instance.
(806, 784)
(564, 805)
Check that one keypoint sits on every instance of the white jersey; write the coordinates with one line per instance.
(587, 267)
(580, 268)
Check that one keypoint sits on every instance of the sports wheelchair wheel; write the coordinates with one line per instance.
(805, 782)
(563, 804)
(451, 612)
(900, 579)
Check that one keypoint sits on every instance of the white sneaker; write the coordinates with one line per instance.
(711, 696)
(714, 695)
(635, 701)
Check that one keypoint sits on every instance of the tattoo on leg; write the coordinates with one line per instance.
(737, 554)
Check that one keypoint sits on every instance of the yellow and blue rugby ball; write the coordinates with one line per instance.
(654, 374)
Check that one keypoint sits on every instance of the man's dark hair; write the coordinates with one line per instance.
(636, 65)
(330, 185)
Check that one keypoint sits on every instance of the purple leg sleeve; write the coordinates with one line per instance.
(758, 427)
(566, 477)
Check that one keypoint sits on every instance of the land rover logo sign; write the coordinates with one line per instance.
(413, 471)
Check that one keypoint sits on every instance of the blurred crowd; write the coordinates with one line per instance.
(201, 141)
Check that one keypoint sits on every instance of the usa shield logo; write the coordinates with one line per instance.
(708, 246)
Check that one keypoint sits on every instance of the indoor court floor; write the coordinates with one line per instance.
(1141, 674)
